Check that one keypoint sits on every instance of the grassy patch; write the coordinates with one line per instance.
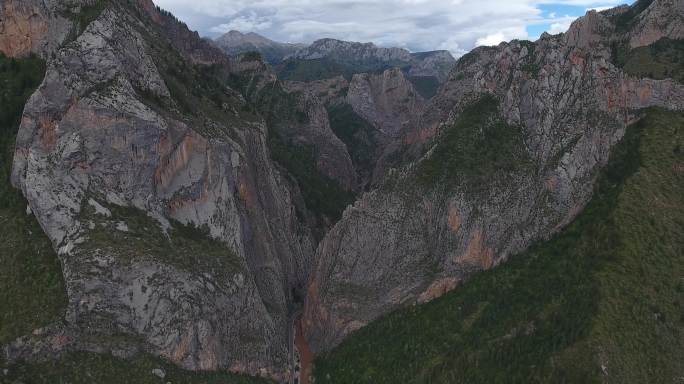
(132, 235)
(660, 60)
(32, 291)
(476, 147)
(87, 368)
(601, 302)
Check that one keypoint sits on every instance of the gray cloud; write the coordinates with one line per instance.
(419, 25)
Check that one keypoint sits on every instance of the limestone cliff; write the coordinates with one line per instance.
(152, 177)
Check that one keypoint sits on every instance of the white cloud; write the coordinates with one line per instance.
(244, 23)
(419, 25)
(561, 24)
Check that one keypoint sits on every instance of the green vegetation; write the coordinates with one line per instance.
(282, 111)
(625, 21)
(530, 65)
(318, 69)
(322, 195)
(357, 134)
(310, 70)
(185, 246)
(603, 301)
(479, 145)
(660, 60)
(427, 86)
(87, 368)
(532, 69)
(251, 56)
(32, 291)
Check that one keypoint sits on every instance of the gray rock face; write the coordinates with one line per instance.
(328, 91)
(31, 26)
(403, 244)
(91, 143)
(388, 101)
(235, 43)
(351, 51)
(435, 63)
(660, 19)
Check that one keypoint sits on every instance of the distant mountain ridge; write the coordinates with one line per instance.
(368, 57)
(236, 42)
(328, 58)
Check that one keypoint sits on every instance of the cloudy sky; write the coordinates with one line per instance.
(418, 25)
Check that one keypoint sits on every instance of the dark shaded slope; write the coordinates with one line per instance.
(31, 284)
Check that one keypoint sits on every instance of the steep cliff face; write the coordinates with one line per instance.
(153, 179)
(32, 27)
(388, 101)
(515, 138)
(434, 63)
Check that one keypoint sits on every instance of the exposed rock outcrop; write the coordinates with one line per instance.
(562, 106)
(118, 169)
(32, 27)
(329, 91)
(388, 101)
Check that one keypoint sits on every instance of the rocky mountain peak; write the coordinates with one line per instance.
(351, 51)
(236, 38)
(235, 43)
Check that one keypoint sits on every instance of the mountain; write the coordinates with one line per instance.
(327, 58)
(171, 212)
(507, 155)
(146, 156)
(234, 43)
